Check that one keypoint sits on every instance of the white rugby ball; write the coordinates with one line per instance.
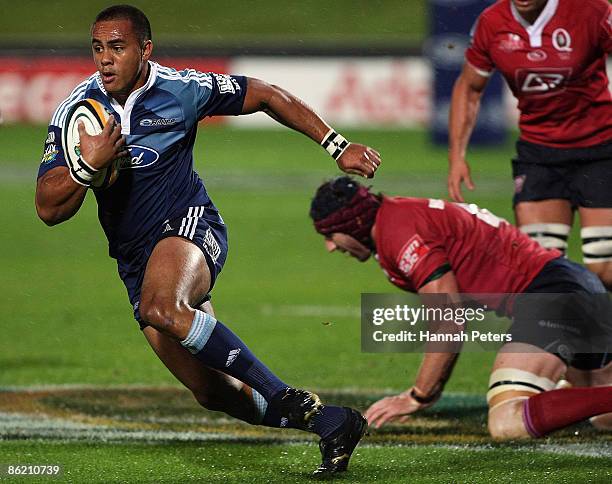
(94, 116)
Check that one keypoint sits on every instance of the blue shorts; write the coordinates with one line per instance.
(566, 311)
(201, 225)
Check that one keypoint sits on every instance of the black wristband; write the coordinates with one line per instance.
(423, 400)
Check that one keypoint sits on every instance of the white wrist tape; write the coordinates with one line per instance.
(335, 144)
(82, 172)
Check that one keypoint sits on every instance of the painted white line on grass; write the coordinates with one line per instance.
(310, 311)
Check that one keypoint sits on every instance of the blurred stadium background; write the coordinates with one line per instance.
(73, 366)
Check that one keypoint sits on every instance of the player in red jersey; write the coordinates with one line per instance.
(430, 246)
(552, 54)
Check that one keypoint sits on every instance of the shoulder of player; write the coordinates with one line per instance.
(78, 93)
(495, 14)
(399, 216)
(598, 8)
(170, 75)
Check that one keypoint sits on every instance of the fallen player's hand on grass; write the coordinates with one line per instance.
(395, 408)
(359, 160)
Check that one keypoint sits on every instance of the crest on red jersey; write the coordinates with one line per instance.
(411, 254)
(562, 41)
(511, 43)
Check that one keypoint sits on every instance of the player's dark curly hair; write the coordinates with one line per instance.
(342, 205)
(140, 22)
(332, 196)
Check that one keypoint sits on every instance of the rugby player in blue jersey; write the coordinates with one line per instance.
(166, 234)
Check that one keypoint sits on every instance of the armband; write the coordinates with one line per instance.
(335, 144)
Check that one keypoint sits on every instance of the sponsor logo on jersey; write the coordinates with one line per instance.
(226, 84)
(545, 81)
(158, 122)
(511, 43)
(411, 254)
(562, 40)
(537, 55)
(140, 157)
(211, 245)
(50, 153)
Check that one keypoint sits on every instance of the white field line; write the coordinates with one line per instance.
(402, 183)
(310, 311)
(17, 426)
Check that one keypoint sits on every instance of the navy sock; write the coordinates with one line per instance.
(217, 346)
(330, 419)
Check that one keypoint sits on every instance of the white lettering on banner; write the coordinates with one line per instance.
(351, 92)
(383, 92)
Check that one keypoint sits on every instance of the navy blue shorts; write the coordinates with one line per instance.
(566, 311)
(201, 225)
(582, 176)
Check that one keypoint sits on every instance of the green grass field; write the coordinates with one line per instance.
(79, 386)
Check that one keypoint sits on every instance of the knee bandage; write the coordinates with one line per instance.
(549, 236)
(511, 379)
(596, 244)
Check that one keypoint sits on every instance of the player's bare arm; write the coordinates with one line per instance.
(433, 373)
(287, 109)
(465, 103)
(58, 196)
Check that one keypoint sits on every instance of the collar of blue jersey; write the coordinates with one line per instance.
(125, 112)
(535, 29)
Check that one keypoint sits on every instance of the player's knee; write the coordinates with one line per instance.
(161, 313)
(506, 420)
(548, 235)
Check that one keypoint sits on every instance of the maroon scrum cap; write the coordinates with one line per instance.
(345, 206)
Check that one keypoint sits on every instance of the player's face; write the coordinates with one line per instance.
(120, 57)
(526, 7)
(347, 244)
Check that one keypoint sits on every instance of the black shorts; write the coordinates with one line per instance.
(583, 176)
(201, 225)
(566, 311)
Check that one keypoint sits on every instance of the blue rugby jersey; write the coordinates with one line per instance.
(159, 121)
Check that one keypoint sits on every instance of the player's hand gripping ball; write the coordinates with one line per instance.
(94, 117)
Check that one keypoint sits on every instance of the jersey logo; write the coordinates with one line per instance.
(411, 254)
(226, 84)
(140, 157)
(211, 246)
(50, 153)
(562, 40)
(545, 81)
(511, 43)
(537, 55)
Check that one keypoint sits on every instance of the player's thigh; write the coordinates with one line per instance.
(519, 372)
(177, 272)
(554, 211)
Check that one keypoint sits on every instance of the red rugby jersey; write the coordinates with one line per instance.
(415, 236)
(556, 68)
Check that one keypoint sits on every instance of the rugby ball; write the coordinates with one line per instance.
(94, 116)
